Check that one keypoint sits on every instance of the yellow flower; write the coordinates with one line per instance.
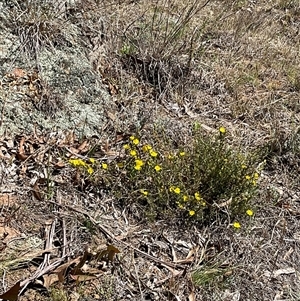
(185, 198)
(90, 170)
(177, 190)
(203, 203)
(126, 146)
(180, 205)
(138, 164)
(247, 177)
(197, 196)
(77, 162)
(191, 212)
(254, 183)
(153, 153)
(256, 176)
(236, 225)
(135, 141)
(244, 166)
(157, 168)
(144, 192)
(249, 212)
(182, 154)
(146, 148)
(92, 160)
(170, 157)
(133, 153)
(73, 162)
(131, 138)
(222, 130)
(104, 165)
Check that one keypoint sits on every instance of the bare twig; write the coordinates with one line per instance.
(44, 266)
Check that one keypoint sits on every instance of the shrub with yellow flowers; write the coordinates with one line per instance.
(198, 182)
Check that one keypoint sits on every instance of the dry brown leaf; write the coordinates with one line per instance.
(83, 147)
(77, 269)
(21, 157)
(112, 251)
(60, 164)
(36, 192)
(73, 150)
(192, 296)
(62, 269)
(49, 280)
(109, 252)
(122, 136)
(12, 293)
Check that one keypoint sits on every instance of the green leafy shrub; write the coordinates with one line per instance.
(204, 180)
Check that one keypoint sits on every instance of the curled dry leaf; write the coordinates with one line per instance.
(108, 254)
(77, 269)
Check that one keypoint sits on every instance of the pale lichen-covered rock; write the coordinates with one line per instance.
(57, 87)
